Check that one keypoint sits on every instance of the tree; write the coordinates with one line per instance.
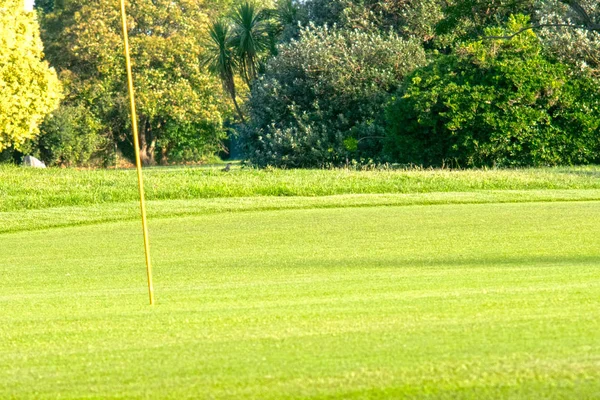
(289, 15)
(237, 45)
(467, 19)
(44, 5)
(405, 17)
(495, 103)
(221, 59)
(574, 45)
(579, 14)
(570, 29)
(29, 88)
(251, 39)
(70, 136)
(471, 17)
(174, 93)
(321, 98)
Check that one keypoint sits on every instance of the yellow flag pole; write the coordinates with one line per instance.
(136, 145)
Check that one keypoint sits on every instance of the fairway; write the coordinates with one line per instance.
(300, 200)
(444, 301)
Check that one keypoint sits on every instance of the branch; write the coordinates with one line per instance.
(575, 6)
(370, 137)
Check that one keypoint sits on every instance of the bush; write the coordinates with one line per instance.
(70, 136)
(191, 142)
(320, 100)
(495, 103)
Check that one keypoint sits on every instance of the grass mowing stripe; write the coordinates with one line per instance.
(24, 220)
(451, 301)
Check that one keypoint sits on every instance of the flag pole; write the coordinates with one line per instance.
(136, 145)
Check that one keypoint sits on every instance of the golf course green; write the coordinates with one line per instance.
(487, 295)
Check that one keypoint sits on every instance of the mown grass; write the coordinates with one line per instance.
(301, 284)
(28, 220)
(37, 189)
(469, 301)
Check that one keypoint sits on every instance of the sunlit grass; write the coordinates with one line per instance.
(35, 189)
(478, 301)
(301, 284)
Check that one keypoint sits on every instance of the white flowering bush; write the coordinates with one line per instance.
(321, 100)
(578, 47)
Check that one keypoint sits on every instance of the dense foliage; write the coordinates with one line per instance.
(468, 19)
(495, 103)
(306, 83)
(29, 88)
(578, 47)
(501, 102)
(319, 101)
(71, 137)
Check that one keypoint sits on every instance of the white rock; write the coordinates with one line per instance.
(30, 161)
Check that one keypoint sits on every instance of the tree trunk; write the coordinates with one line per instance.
(164, 159)
(146, 149)
(233, 94)
(252, 68)
(239, 111)
(229, 86)
(152, 152)
(245, 71)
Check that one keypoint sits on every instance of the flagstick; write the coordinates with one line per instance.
(136, 145)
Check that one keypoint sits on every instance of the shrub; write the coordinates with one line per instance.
(70, 136)
(192, 142)
(320, 100)
(495, 103)
(578, 47)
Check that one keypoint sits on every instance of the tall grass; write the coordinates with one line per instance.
(22, 188)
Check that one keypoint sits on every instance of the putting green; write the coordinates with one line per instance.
(446, 301)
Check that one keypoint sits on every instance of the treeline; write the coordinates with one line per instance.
(320, 83)
(183, 113)
(458, 83)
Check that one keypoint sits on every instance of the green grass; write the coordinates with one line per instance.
(301, 284)
(29, 220)
(38, 189)
(395, 296)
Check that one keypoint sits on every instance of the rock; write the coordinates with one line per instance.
(30, 161)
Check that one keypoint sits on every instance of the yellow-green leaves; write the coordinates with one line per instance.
(29, 88)
(175, 95)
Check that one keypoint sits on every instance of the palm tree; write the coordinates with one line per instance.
(220, 59)
(287, 13)
(250, 38)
